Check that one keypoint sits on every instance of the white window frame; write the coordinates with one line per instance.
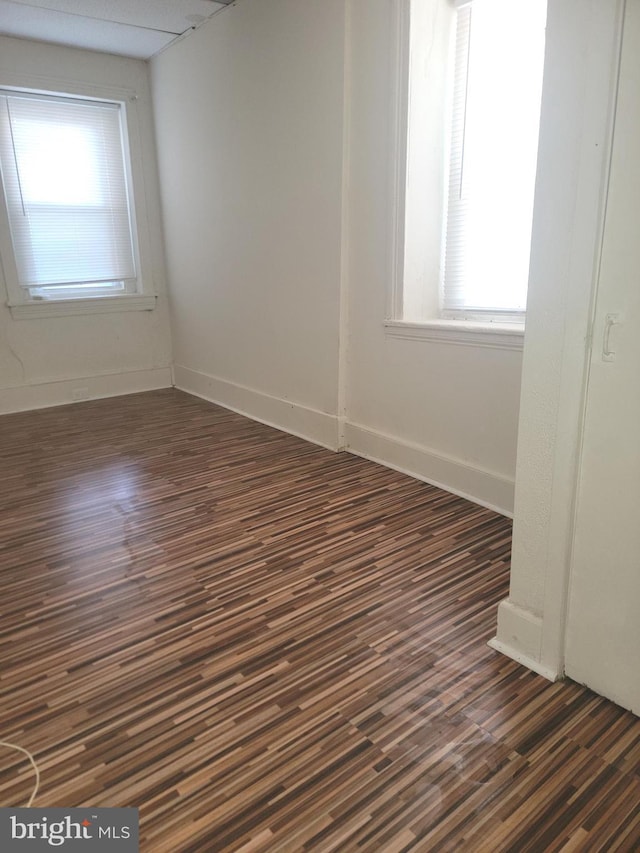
(415, 272)
(465, 34)
(20, 303)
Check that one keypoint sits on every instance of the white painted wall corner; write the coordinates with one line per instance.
(315, 426)
(486, 488)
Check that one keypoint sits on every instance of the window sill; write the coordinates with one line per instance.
(508, 336)
(72, 307)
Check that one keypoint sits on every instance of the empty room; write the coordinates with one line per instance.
(320, 478)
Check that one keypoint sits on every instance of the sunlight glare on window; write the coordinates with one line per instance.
(58, 164)
(499, 154)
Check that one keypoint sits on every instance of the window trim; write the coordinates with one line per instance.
(501, 335)
(483, 328)
(398, 149)
(36, 309)
(145, 299)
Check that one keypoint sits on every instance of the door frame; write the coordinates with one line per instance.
(582, 60)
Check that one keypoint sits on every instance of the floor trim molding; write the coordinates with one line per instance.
(315, 426)
(519, 637)
(530, 663)
(44, 395)
(475, 484)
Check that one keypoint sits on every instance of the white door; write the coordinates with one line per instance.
(603, 626)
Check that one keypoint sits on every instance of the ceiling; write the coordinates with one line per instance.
(137, 28)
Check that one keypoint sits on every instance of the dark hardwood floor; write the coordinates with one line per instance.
(265, 646)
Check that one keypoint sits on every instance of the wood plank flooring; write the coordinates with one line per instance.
(265, 646)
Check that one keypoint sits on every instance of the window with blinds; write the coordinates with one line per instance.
(499, 57)
(65, 178)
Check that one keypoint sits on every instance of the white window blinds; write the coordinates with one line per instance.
(499, 58)
(65, 181)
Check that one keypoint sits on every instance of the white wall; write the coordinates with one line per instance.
(249, 117)
(43, 361)
(273, 134)
(580, 73)
(446, 412)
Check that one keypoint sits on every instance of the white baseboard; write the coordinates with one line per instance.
(335, 433)
(475, 484)
(520, 638)
(43, 395)
(294, 418)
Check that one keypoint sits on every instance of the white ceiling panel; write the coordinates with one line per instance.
(60, 28)
(137, 28)
(174, 16)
